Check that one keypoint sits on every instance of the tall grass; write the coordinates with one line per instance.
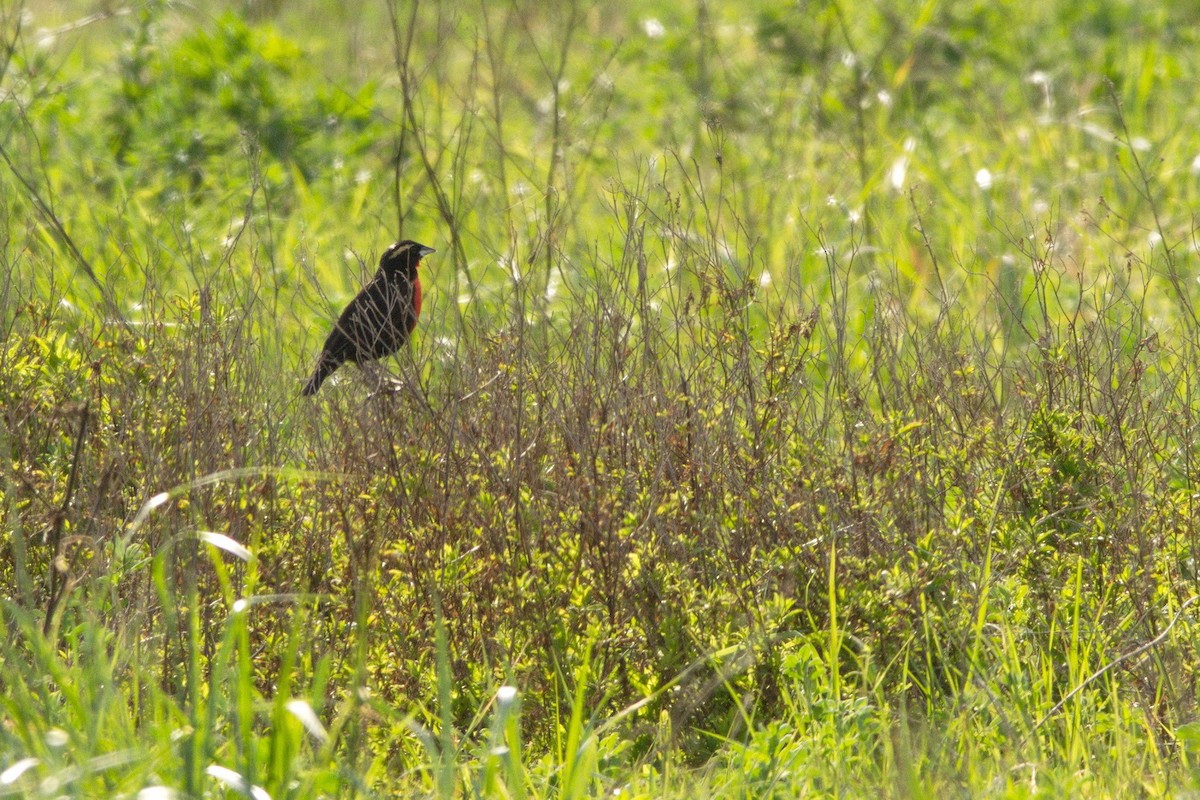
(802, 404)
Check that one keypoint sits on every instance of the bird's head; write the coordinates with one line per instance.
(403, 256)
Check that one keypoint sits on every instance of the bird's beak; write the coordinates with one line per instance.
(424, 251)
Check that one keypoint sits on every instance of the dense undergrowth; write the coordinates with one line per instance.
(804, 402)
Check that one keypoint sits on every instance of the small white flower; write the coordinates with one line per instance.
(653, 28)
(897, 173)
(983, 179)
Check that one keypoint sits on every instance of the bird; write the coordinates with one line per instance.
(379, 320)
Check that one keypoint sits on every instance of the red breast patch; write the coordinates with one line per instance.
(416, 303)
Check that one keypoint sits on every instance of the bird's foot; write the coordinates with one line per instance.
(387, 385)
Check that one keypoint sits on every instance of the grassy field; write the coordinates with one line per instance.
(805, 401)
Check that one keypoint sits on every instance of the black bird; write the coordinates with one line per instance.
(378, 321)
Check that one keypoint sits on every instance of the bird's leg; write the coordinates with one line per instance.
(382, 381)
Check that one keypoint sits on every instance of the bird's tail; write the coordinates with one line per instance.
(325, 368)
